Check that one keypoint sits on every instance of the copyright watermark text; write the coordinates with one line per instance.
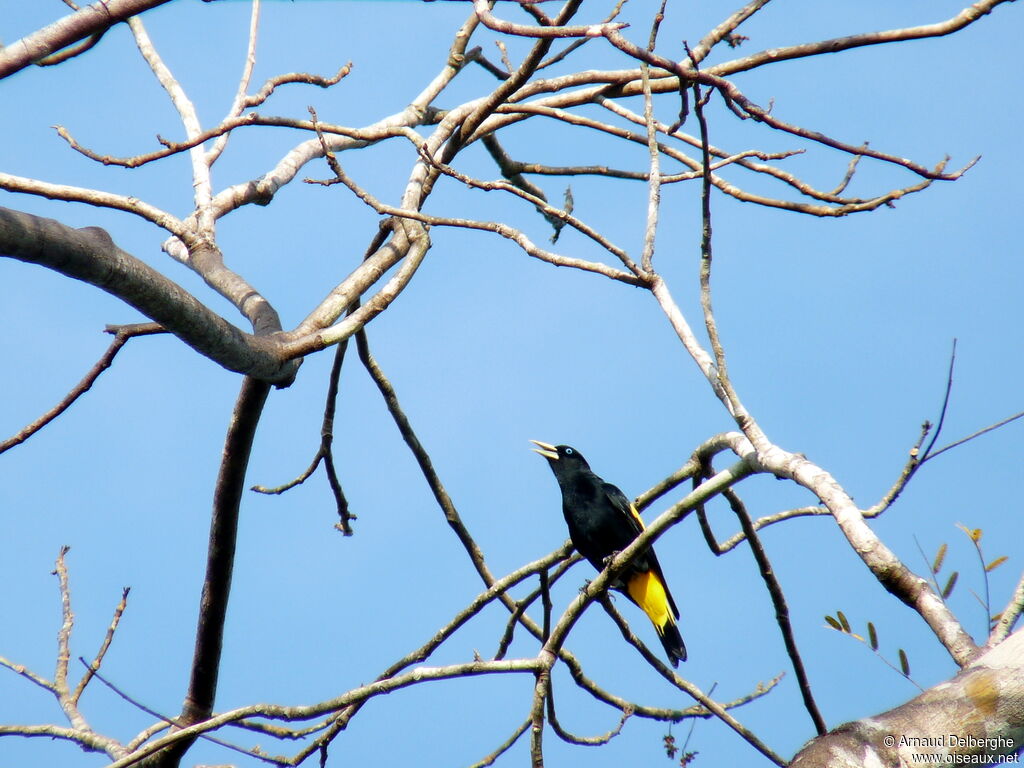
(951, 741)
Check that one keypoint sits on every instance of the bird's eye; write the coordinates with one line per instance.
(569, 451)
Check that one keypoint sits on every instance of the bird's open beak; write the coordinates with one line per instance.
(547, 450)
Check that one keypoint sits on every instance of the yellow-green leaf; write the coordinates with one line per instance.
(950, 583)
(842, 620)
(904, 663)
(833, 623)
(996, 563)
(939, 557)
(973, 533)
(873, 636)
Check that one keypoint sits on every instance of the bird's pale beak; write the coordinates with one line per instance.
(547, 450)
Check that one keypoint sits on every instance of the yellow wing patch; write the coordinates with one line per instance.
(647, 591)
(632, 508)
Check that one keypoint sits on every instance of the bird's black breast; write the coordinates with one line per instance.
(597, 527)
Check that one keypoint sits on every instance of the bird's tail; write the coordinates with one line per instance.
(647, 591)
(673, 642)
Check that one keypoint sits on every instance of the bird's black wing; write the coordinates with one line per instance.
(648, 560)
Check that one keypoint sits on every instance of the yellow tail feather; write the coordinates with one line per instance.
(648, 592)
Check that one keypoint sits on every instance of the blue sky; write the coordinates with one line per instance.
(838, 333)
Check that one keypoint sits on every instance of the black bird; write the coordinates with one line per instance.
(602, 522)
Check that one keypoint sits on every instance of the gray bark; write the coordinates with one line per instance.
(971, 719)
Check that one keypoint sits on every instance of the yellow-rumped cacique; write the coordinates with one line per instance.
(603, 522)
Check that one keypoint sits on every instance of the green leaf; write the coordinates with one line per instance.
(904, 663)
(833, 623)
(996, 563)
(939, 557)
(842, 620)
(873, 636)
(950, 583)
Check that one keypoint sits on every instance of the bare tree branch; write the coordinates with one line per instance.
(325, 453)
(79, 732)
(483, 12)
(238, 103)
(980, 709)
(121, 336)
(93, 667)
(213, 604)
(91, 20)
(700, 51)
(1009, 615)
(71, 51)
(890, 572)
(781, 608)
(504, 746)
(91, 256)
(306, 712)
(967, 16)
(98, 198)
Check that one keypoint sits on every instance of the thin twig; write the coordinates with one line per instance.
(60, 675)
(93, 667)
(571, 48)
(909, 469)
(851, 169)
(28, 674)
(361, 693)
(572, 738)
(325, 452)
(59, 57)
(711, 706)
(945, 404)
(516, 79)
(170, 721)
(725, 29)
(654, 174)
(121, 336)
(570, 559)
(973, 435)
(303, 78)
(545, 208)
(701, 455)
(745, 108)
(762, 522)
(781, 609)
(243, 83)
(727, 393)
(504, 746)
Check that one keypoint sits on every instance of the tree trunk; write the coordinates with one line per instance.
(969, 720)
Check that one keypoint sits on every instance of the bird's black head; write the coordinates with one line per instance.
(564, 460)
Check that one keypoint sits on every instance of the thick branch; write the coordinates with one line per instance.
(90, 20)
(891, 573)
(984, 703)
(91, 256)
(221, 555)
